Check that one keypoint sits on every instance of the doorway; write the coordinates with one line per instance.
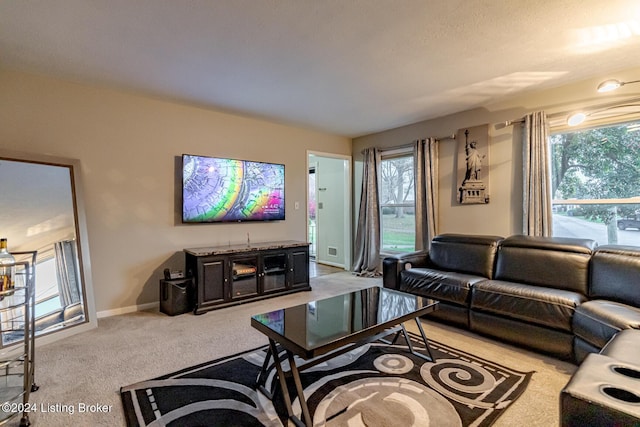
(329, 208)
(311, 210)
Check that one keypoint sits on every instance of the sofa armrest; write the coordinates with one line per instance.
(392, 266)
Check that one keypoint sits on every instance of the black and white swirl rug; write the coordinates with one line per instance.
(375, 385)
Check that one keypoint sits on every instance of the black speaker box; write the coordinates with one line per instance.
(176, 296)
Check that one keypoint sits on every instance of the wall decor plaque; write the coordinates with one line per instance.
(473, 165)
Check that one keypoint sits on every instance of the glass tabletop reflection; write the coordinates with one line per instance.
(326, 321)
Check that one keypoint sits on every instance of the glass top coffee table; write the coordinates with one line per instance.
(323, 329)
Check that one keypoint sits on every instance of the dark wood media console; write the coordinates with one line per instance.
(234, 274)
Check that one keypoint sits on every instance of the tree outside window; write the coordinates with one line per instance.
(595, 178)
(397, 203)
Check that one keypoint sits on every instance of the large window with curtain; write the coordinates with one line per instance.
(396, 185)
(596, 183)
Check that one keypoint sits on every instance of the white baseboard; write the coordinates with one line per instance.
(125, 310)
(332, 264)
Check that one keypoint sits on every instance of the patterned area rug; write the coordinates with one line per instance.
(374, 385)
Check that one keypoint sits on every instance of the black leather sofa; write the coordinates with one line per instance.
(560, 296)
(564, 297)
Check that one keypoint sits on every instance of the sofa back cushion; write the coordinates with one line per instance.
(615, 274)
(464, 253)
(554, 262)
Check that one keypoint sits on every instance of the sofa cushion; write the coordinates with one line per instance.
(552, 262)
(598, 321)
(624, 346)
(523, 334)
(464, 253)
(615, 274)
(553, 308)
(440, 285)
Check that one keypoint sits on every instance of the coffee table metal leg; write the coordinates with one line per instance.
(261, 381)
(424, 338)
(408, 340)
(296, 379)
(281, 377)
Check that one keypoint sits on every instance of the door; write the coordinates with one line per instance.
(274, 271)
(214, 280)
(244, 276)
(332, 214)
(299, 267)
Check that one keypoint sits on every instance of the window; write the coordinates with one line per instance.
(47, 293)
(397, 202)
(595, 178)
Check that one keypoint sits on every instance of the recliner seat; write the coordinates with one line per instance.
(538, 284)
(614, 293)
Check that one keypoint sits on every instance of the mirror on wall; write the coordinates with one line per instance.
(40, 212)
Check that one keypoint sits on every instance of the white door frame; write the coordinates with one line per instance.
(347, 201)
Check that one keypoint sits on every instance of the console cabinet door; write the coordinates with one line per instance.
(274, 271)
(299, 267)
(212, 281)
(245, 275)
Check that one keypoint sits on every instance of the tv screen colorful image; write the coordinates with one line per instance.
(228, 190)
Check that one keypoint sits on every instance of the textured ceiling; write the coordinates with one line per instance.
(348, 67)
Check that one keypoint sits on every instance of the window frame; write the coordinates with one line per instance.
(613, 202)
(386, 155)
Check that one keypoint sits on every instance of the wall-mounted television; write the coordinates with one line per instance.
(228, 190)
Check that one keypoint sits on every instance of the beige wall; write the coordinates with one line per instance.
(128, 145)
(503, 215)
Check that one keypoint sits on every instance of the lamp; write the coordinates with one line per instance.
(613, 84)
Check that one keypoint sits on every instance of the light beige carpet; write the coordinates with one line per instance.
(86, 371)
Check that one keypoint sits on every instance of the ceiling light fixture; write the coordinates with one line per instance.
(613, 111)
(613, 84)
(576, 118)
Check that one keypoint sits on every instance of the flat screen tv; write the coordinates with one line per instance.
(228, 190)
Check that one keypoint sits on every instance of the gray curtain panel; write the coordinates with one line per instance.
(537, 211)
(367, 251)
(426, 176)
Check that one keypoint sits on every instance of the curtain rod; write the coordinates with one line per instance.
(398, 147)
(521, 119)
